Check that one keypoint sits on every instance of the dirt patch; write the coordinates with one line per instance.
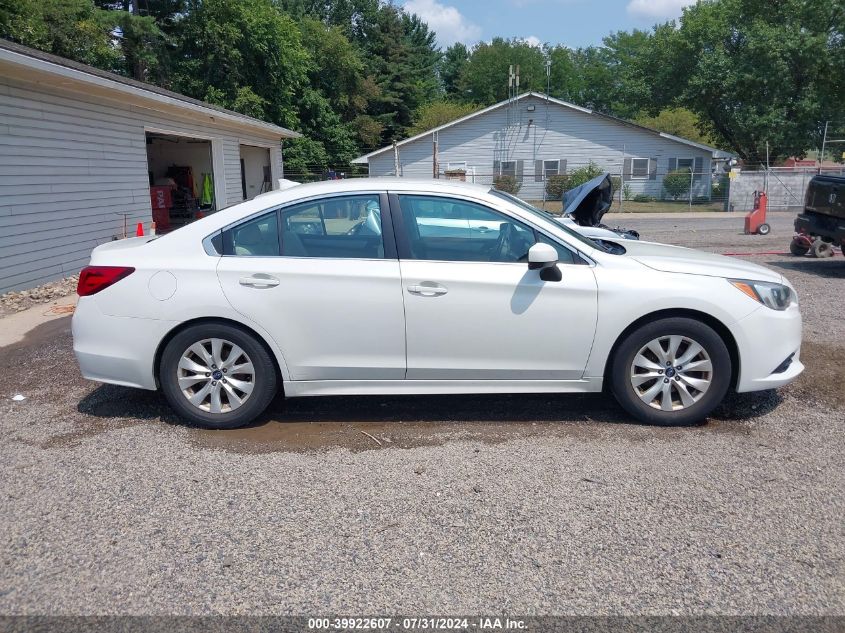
(824, 376)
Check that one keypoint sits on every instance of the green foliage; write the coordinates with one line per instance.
(758, 72)
(583, 174)
(555, 186)
(677, 183)
(641, 197)
(71, 28)
(508, 184)
(438, 113)
(626, 192)
(484, 80)
(451, 67)
(677, 121)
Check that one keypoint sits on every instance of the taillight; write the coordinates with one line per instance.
(92, 279)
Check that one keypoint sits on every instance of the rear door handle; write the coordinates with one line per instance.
(427, 289)
(259, 282)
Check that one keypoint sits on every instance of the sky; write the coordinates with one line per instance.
(573, 23)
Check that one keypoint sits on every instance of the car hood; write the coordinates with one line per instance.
(587, 203)
(595, 232)
(676, 259)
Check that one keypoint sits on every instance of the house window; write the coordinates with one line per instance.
(551, 167)
(508, 168)
(639, 168)
(685, 163)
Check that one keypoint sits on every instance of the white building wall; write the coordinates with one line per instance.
(549, 132)
(71, 166)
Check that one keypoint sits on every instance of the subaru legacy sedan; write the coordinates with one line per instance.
(398, 286)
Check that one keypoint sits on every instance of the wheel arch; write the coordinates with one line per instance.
(202, 320)
(720, 328)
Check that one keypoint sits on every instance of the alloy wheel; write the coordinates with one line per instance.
(671, 373)
(215, 375)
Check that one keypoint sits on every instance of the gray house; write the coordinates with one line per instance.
(86, 154)
(533, 137)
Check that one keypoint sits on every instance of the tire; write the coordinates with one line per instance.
(239, 369)
(821, 249)
(764, 229)
(688, 409)
(798, 247)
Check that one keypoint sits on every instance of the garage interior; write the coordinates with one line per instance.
(181, 177)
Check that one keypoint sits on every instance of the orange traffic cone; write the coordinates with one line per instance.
(139, 232)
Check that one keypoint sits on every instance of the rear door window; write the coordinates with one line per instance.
(337, 227)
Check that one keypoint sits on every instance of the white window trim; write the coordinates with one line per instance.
(546, 170)
(502, 168)
(647, 168)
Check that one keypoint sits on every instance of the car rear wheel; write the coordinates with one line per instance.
(672, 372)
(217, 376)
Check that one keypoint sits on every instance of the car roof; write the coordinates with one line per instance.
(389, 183)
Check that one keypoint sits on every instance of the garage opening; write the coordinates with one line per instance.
(181, 179)
(255, 171)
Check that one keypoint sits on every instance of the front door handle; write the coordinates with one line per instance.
(259, 282)
(427, 289)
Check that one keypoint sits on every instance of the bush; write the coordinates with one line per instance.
(555, 186)
(641, 197)
(626, 192)
(583, 174)
(508, 184)
(677, 183)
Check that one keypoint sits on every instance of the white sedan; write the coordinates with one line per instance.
(395, 286)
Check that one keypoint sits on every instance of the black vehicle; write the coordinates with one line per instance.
(821, 225)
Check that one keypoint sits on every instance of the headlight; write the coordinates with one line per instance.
(774, 296)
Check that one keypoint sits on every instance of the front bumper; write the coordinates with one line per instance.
(116, 350)
(828, 226)
(766, 338)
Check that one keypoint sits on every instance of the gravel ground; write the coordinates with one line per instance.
(518, 504)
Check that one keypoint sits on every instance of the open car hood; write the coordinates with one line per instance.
(588, 203)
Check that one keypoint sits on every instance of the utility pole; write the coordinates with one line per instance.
(396, 159)
(766, 180)
(434, 157)
(824, 146)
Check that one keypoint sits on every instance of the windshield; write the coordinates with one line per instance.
(545, 215)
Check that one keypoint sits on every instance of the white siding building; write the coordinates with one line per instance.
(82, 151)
(533, 137)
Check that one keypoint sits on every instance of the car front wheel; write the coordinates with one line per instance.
(217, 376)
(672, 372)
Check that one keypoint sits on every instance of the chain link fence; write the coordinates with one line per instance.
(637, 189)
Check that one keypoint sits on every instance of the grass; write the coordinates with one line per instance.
(628, 206)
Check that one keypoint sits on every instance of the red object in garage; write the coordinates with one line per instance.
(161, 201)
(755, 221)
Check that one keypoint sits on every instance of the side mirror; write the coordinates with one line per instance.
(543, 257)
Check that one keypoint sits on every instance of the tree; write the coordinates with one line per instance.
(437, 113)
(678, 122)
(229, 45)
(485, 77)
(757, 71)
(451, 68)
(75, 29)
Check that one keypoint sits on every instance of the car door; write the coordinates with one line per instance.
(473, 309)
(322, 277)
